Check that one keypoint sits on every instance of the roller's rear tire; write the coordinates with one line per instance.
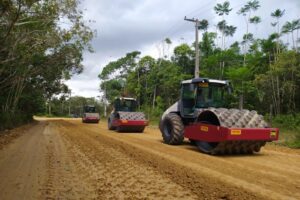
(172, 129)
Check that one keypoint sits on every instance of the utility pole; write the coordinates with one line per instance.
(197, 57)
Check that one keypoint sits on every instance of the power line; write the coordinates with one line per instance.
(174, 28)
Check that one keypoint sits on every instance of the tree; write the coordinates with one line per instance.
(223, 9)
(290, 27)
(222, 27)
(203, 25)
(246, 11)
(277, 14)
(279, 84)
(37, 53)
(184, 57)
(255, 20)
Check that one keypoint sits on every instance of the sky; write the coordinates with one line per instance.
(124, 26)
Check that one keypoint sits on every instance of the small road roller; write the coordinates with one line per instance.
(125, 118)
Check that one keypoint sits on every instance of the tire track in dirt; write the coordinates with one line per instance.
(65, 159)
(205, 187)
(114, 174)
(64, 178)
(272, 180)
(22, 164)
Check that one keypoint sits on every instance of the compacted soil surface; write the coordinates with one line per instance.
(66, 159)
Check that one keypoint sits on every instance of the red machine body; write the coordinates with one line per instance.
(124, 122)
(212, 133)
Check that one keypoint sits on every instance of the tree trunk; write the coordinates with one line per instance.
(278, 94)
(241, 101)
(49, 107)
(154, 97)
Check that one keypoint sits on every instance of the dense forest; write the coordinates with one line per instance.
(264, 72)
(41, 45)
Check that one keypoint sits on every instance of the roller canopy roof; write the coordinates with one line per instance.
(126, 98)
(205, 80)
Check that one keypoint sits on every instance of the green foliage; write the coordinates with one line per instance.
(203, 25)
(70, 106)
(280, 84)
(122, 65)
(112, 88)
(37, 53)
(184, 57)
(255, 20)
(289, 129)
(222, 9)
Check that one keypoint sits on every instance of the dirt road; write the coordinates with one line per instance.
(65, 159)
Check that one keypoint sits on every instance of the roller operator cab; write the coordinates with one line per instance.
(125, 105)
(90, 114)
(202, 116)
(202, 93)
(125, 117)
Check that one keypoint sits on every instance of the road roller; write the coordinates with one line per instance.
(90, 115)
(125, 117)
(202, 115)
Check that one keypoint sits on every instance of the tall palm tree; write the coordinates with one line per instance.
(246, 11)
(203, 25)
(290, 27)
(228, 31)
(221, 27)
(222, 9)
(277, 14)
(255, 20)
(296, 25)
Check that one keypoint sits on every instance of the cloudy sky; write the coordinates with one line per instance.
(127, 25)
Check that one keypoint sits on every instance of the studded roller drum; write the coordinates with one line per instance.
(138, 116)
(132, 115)
(231, 118)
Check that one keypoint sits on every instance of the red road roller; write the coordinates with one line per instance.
(201, 116)
(125, 118)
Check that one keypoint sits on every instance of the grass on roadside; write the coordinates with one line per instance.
(289, 127)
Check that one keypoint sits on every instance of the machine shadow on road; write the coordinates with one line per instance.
(189, 146)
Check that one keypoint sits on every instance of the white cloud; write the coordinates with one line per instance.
(126, 25)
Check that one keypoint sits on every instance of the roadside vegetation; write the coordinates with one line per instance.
(289, 129)
(41, 45)
(65, 106)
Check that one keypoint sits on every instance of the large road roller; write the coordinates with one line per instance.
(125, 118)
(202, 116)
